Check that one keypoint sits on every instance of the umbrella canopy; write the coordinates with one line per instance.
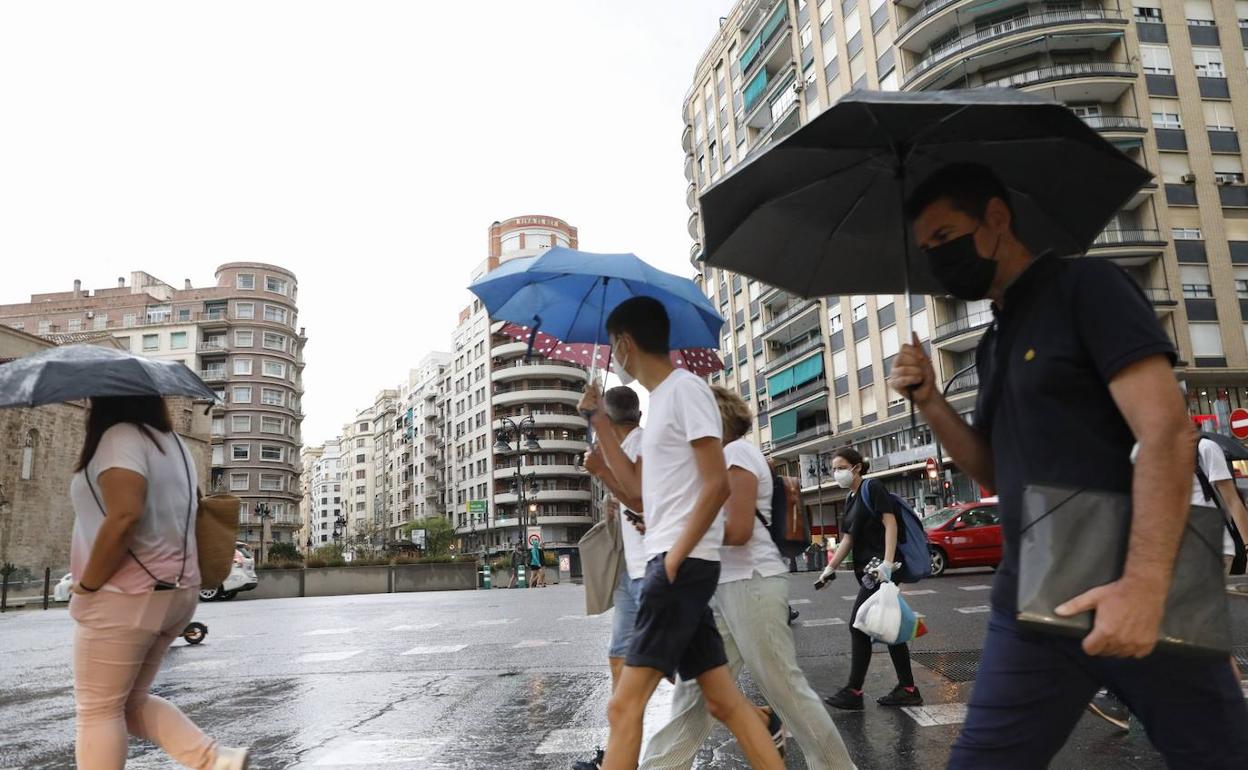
(568, 295)
(700, 361)
(75, 372)
(1233, 448)
(820, 213)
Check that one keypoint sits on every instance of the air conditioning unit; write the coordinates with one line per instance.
(90, 314)
(1224, 180)
(799, 86)
(1188, 178)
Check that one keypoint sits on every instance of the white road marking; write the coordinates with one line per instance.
(850, 598)
(974, 610)
(417, 627)
(920, 592)
(822, 622)
(330, 631)
(435, 649)
(197, 665)
(498, 622)
(328, 657)
(975, 588)
(383, 752)
(938, 714)
(572, 740)
(531, 643)
(583, 617)
(799, 601)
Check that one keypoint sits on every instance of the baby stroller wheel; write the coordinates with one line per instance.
(195, 633)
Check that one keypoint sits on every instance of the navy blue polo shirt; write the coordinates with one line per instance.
(1066, 328)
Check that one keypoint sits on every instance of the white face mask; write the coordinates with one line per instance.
(620, 371)
(844, 477)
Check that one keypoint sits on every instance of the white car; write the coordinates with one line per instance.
(62, 590)
(242, 577)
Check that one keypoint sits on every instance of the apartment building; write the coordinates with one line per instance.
(322, 503)
(416, 446)
(243, 337)
(1164, 80)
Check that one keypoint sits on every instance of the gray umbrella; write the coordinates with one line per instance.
(75, 372)
(820, 213)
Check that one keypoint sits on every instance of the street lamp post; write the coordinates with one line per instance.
(262, 513)
(525, 441)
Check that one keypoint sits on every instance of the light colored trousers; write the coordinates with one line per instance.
(752, 616)
(119, 643)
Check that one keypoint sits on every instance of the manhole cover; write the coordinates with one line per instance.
(954, 665)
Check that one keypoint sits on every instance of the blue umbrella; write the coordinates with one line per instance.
(568, 294)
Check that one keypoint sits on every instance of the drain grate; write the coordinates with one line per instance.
(954, 665)
(962, 665)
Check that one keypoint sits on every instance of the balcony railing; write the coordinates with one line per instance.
(211, 347)
(963, 324)
(790, 355)
(1159, 296)
(793, 396)
(1009, 27)
(1114, 122)
(1065, 72)
(1127, 237)
(967, 382)
(789, 314)
(211, 375)
(923, 13)
(822, 429)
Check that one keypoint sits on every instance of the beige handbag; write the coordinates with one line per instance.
(602, 558)
(216, 530)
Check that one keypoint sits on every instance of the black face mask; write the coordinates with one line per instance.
(958, 267)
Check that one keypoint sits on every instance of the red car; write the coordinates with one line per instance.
(967, 535)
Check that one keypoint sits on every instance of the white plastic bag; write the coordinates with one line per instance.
(885, 617)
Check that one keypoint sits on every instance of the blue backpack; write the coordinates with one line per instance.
(916, 560)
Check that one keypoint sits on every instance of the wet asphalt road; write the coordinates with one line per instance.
(467, 680)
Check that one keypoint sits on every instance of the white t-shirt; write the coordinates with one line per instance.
(157, 541)
(759, 555)
(634, 547)
(682, 409)
(1213, 461)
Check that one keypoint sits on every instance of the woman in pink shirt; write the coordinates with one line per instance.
(137, 579)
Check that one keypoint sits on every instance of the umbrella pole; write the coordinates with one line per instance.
(900, 175)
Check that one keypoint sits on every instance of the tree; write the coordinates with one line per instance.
(438, 534)
(283, 552)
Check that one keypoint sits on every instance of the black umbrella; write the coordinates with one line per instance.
(1232, 447)
(820, 213)
(75, 372)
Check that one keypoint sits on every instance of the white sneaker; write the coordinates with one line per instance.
(232, 759)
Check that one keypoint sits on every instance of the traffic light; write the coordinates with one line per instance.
(932, 470)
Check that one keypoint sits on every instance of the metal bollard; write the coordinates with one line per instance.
(47, 585)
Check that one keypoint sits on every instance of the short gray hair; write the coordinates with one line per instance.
(622, 405)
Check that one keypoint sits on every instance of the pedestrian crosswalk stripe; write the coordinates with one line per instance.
(416, 627)
(822, 622)
(328, 657)
(498, 622)
(435, 649)
(583, 617)
(531, 643)
(974, 610)
(197, 665)
(920, 592)
(937, 714)
(330, 631)
(850, 598)
(975, 588)
(799, 601)
(370, 753)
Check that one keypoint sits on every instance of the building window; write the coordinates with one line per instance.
(246, 281)
(239, 483)
(270, 453)
(75, 324)
(240, 452)
(834, 318)
(272, 425)
(240, 423)
(1156, 60)
(272, 397)
(28, 455)
(242, 394)
(1206, 340)
(1195, 280)
(858, 307)
(274, 285)
(177, 340)
(1186, 234)
(1165, 113)
(1208, 62)
(245, 311)
(274, 341)
(101, 321)
(218, 426)
(244, 339)
(1148, 15)
(275, 314)
(918, 324)
(1241, 282)
(242, 366)
(218, 456)
(274, 369)
(151, 342)
(270, 482)
(862, 352)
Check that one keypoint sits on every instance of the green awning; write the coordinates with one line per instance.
(807, 370)
(783, 424)
(780, 382)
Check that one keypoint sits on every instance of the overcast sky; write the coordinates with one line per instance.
(365, 145)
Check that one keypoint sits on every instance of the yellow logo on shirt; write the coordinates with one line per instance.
(1030, 354)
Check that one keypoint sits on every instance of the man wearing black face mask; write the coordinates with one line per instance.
(1074, 370)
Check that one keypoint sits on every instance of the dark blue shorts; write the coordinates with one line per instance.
(1032, 688)
(675, 631)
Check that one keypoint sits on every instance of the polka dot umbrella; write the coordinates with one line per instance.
(700, 361)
